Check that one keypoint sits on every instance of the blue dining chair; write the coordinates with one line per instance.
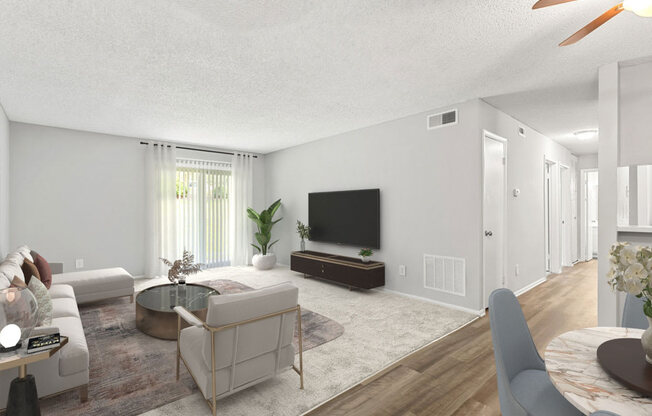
(524, 387)
(633, 316)
(603, 413)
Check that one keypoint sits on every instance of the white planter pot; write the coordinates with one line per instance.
(646, 340)
(264, 262)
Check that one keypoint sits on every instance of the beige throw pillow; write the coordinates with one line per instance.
(44, 312)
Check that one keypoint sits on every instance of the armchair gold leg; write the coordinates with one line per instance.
(178, 346)
(300, 347)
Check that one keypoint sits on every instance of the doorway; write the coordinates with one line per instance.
(589, 232)
(493, 213)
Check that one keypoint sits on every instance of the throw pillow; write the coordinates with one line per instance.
(25, 252)
(18, 282)
(44, 313)
(29, 270)
(11, 267)
(43, 269)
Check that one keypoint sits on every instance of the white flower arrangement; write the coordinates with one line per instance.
(631, 272)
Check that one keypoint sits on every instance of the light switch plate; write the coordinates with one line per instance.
(79, 263)
(401, 270)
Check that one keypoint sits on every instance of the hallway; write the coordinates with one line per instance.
(457, 375)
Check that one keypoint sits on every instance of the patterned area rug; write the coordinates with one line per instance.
(131, 373)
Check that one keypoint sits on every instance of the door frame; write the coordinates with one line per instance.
(493, 136)
(584, 224)
(560, 218)
(547, 228)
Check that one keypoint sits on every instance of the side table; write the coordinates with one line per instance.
(23, 398)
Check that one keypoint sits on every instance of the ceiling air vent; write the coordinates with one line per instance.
(447, 118)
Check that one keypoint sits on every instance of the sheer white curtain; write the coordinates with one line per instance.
(160, 207)
(241, 230)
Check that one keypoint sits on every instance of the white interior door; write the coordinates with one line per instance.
(592, 214)
(573, 214)
(493, 212)
(547, 215)
(565, 222)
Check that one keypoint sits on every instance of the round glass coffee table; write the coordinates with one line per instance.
(155, 314)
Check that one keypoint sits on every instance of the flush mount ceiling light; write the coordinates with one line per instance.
(642, 8)
(586, 134)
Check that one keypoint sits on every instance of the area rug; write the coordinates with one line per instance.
(131, 373)
(380, 327)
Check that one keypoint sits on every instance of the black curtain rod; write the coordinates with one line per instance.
(201, 150)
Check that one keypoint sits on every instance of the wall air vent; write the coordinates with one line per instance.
(444, 274)
(447, 118)
(521, 131)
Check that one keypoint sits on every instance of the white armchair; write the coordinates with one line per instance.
(246, 339)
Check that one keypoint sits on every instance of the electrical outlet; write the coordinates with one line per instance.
(401, 270)
(79, 263)
(516, 271)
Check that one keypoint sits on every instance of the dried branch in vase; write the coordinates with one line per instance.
(182, 268)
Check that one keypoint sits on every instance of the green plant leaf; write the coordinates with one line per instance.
(252, 214)
(647, 308)
(274, 207)
(263, 239)
(271, 244)
(256, 247)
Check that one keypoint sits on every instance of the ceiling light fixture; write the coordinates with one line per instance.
(586, 134)
(640, 7)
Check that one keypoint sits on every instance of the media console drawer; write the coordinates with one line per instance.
(345, 270)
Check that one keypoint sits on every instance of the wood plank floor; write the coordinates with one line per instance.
(456, 375)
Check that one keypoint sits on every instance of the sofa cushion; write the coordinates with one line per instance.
(43, 269)
(93, 281)
(64, 307)
(73, 356)
(29, 270)
(61, 291)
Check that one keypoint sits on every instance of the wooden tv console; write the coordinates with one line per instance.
(348, 271)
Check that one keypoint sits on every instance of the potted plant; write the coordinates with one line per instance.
(631, 272)
(264, 221)
(182, 268)
(304, 232)
(365, 253)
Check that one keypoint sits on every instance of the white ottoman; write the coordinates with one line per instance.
(98, 284)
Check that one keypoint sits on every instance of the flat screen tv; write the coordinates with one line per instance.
(345, 217)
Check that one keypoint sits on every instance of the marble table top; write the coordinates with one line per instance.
(572, 363)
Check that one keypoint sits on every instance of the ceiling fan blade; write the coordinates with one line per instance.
(593, 25)
(545, 3)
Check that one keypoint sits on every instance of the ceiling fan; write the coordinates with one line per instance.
(640, 7)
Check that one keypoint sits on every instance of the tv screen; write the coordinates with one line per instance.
(345, 217)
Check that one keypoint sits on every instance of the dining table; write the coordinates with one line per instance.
(572, 364)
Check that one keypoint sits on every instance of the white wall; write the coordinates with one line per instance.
(78, 194)
(525, 213)
(635, 107)
(4, 184)
(431, 193)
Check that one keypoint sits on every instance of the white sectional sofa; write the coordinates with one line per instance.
(68, 368)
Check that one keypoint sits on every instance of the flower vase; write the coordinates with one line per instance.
(646, 340)
(182, 280)
(303, 245)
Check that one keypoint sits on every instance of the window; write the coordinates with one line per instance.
(203, 189)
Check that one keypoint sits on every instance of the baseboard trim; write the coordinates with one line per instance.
(480, 312)
(369, 377)
(530, 286)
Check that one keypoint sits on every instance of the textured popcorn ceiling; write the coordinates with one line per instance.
(262, 76)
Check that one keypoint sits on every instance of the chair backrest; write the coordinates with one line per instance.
(633, 316)
(514, 349)
(271, 335)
